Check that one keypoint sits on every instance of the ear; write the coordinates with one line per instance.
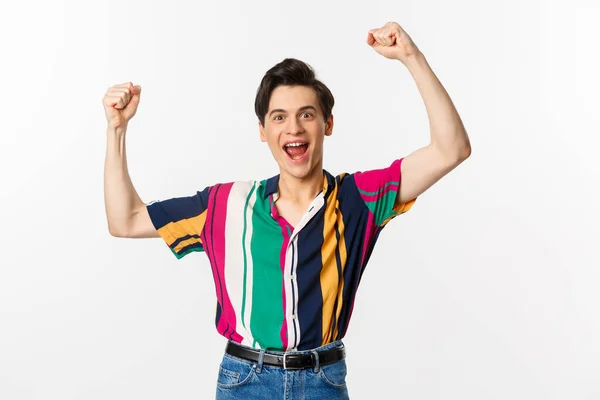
(329, 126)
(261, 130)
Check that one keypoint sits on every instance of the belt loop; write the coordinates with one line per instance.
(261, 357)
(316, 361)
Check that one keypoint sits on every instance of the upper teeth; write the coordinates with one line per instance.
(294, 144)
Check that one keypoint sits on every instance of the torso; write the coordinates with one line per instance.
(285, 273)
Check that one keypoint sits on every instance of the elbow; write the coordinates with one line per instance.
(465, 151)
(115, 231)
(457, 155)
(462, 147)
(462, 151)
(454, 152)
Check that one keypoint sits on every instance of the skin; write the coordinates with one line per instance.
(294, 114)
(449, 143)
(299, 183)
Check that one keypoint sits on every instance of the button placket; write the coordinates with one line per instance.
(313, 208)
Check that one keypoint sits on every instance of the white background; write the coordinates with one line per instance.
(487, 289)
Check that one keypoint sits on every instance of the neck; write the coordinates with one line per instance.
(301, 189)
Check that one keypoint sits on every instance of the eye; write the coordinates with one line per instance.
(307, 113)
(277, 116)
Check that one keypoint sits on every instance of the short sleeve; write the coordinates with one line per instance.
(180, 220)
(379, 189)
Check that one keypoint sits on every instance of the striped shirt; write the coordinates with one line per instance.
(281, 287)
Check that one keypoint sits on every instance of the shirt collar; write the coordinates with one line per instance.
(271, 186)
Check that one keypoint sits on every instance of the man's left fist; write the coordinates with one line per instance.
(391, 41)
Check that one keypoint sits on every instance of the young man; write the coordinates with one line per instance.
(288, 252)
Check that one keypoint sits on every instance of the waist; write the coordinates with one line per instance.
(327, 354)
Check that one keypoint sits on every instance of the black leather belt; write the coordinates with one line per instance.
(287, 360)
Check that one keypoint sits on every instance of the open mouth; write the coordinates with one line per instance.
(296, 150)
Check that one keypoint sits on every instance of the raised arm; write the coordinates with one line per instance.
(126, 214)
(449, 143)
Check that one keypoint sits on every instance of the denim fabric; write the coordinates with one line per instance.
(241, 379)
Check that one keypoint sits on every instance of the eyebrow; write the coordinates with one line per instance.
(300, 109)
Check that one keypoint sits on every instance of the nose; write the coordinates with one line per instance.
(295, 126)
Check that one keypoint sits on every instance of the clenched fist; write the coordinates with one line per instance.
(391, 41)
(120, 103)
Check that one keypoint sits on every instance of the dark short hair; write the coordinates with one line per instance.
(291, 72)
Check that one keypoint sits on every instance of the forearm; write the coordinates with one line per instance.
(120, 197)
(446, 128)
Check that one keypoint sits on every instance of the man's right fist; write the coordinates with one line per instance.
(120, 103)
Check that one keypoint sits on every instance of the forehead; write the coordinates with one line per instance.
(292, 97)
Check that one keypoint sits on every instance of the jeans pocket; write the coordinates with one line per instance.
(334, 374)
(234, 372)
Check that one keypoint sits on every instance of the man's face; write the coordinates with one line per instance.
(295, 130)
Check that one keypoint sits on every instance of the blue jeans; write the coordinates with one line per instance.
(247, 380)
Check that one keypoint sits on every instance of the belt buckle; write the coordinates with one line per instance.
(285, 366)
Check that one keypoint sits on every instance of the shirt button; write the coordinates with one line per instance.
(292, 277)
(293, 316)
